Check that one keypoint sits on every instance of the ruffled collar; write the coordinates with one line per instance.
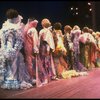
(14, 23)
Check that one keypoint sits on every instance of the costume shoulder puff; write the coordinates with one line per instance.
(32, 30)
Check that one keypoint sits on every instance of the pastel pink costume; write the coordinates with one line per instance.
(31, 43)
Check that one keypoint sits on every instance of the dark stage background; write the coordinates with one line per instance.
(56, 11)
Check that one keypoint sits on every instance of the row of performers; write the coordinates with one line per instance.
(48, 55)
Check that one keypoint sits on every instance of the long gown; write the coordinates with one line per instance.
(31, 44)
(98, 52)
(45, 56)
(88, 48)
(60, 50)
(69, 47)
(15, 75)
(78, 66)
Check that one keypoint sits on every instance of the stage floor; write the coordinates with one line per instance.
(77, 87)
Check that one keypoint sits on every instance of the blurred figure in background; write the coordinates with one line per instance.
(75, 33)
(69, 46)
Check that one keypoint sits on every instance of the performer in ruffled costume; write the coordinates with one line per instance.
(15, 74)
(69, 46)
(75, 33)
(60, 50)
(97, 37)
(45, 52)
(31, 46)
(88, 47)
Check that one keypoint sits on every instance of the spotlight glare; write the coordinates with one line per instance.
(90, 9)
(89, 3)
(76, 8)
(71, 8)
(76, 13)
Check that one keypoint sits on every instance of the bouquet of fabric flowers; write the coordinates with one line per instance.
(72, 73)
